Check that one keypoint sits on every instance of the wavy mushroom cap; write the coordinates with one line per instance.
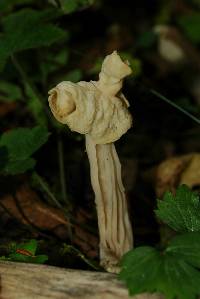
(114, 66)
(87, 111)
(61, 102)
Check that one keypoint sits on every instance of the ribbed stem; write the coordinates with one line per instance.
(115, 230)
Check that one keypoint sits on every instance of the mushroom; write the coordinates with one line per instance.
(100, 111)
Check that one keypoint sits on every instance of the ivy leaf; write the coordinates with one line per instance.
(182, 211)
(170, 272)
(27, 29)
(20, 144)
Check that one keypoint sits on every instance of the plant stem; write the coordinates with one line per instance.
(63, 180)
(154, 92)
(25, 78)
(33, 89)
(46, 189)
(40, 181)
(62, 170)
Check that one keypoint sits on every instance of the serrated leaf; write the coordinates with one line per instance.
(186, 246)
(140, 269)
(182, 211)
(178, 279)
(145, 269)
(27, 29)
(20, 144)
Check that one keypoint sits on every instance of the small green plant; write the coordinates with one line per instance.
(173, 271)
(25, 252)
(17, 147)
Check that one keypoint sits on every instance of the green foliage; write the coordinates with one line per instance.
(141, 269)
(74, 75)
(26, 253)
(7, 6)
(69, 249)
(69, 6)
(53, 62)
(191, 26)
(181, 211)
(9, 92)
(186, 246)
(35, 106)
(27, 29)
(172, 272)
(175, 270)
(146, 39)
(20, 145)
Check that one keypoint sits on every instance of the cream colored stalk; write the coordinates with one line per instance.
(99, 110)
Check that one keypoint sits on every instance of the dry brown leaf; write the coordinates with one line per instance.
(177, 171)
(29, 209)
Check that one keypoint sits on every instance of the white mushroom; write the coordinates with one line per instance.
(99, 110)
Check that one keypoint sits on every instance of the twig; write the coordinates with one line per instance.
(154, 92)
(63, 181)
(45, 188)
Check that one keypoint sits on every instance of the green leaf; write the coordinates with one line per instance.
(20, 144)
(27, 29)
(141, 269)
(35, 107)
(30, 246)
(9, 92)
(6, 5)
(25, 252)
(53, 62)
(182, 211)
(17, 167)
(191, 26)
(186, 246)
(178, 279)
(69, 6)
(147, 270)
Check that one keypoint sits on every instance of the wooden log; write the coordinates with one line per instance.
(30, 281)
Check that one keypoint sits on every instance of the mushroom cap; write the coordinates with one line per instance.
(113, 66)
(85, 109)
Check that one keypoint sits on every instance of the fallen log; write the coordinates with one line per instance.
(30, 281)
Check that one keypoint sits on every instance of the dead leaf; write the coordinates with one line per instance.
(177, 171)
